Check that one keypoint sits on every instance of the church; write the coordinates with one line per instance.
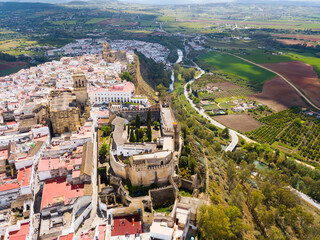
(111, 56)
(68, 110)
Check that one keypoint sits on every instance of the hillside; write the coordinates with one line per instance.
(142, 87)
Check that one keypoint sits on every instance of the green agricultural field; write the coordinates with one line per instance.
(96, 20)
(138, 31)
(210, 107)
(188, 27)
(166, 19)
(308, 58)
(63, 22)
(254, 76)
(261, 57)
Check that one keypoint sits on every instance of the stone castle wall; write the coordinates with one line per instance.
(141, 175)
(131, 114)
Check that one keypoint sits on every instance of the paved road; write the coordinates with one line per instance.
(285, 79)
(307, 198)
(233, 134)
(93, 219)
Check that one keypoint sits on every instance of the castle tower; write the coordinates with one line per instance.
(80, 87)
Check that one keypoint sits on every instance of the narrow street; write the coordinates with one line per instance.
(93, 218)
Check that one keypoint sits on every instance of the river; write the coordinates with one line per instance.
(180, 56)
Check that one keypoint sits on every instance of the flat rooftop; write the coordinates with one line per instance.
(156, 155)
(58, 190)
(63, 101)
(21, 234)
(167, 117)
(126, 225)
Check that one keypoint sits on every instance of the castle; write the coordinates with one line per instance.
(146, 163)
(69, 109)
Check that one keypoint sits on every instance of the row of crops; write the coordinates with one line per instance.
(291, 129)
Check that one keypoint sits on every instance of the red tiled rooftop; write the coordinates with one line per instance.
(21, 233)
(77, 160)
(24, 176)
(124, 225)
(66, 237)
(75, 173)
(9, 186)
(58, 187)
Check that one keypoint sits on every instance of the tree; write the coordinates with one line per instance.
(217, 147)
(126, 76)
(225, 133)
(231, 174)
(103, 150)
(276, 234)
(149, 131)
(132, 138)
(139, 134)
(255, 198)
(106, 130)
(177, 67)
(163, 91)
(149, 116)
(138, 124)
(192, 164)
(214, 223)
(156, 125)
(183, 163)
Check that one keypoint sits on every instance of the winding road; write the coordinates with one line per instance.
(233, 134)
(284, 78)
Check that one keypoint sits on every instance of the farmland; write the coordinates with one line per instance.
(292, 131)
(96, 20)
(240, 122)
(216, 87)
(308, 58)
(301, 75)
(261, 56)
(278, 95)
(253, 76)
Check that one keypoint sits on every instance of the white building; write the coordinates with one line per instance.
(122, 92)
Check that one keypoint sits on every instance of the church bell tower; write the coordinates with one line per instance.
(80, 87)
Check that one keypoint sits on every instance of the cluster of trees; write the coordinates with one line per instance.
(243, 205)
(187, 162)
(186, 73)
(126, 76)
(104, 149)
(274, 209)
(138, 134)
(106, 130)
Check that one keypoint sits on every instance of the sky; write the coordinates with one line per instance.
(162, 2)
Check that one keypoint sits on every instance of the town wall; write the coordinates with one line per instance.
(130, 114)
(162, 196)
(119, 169)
